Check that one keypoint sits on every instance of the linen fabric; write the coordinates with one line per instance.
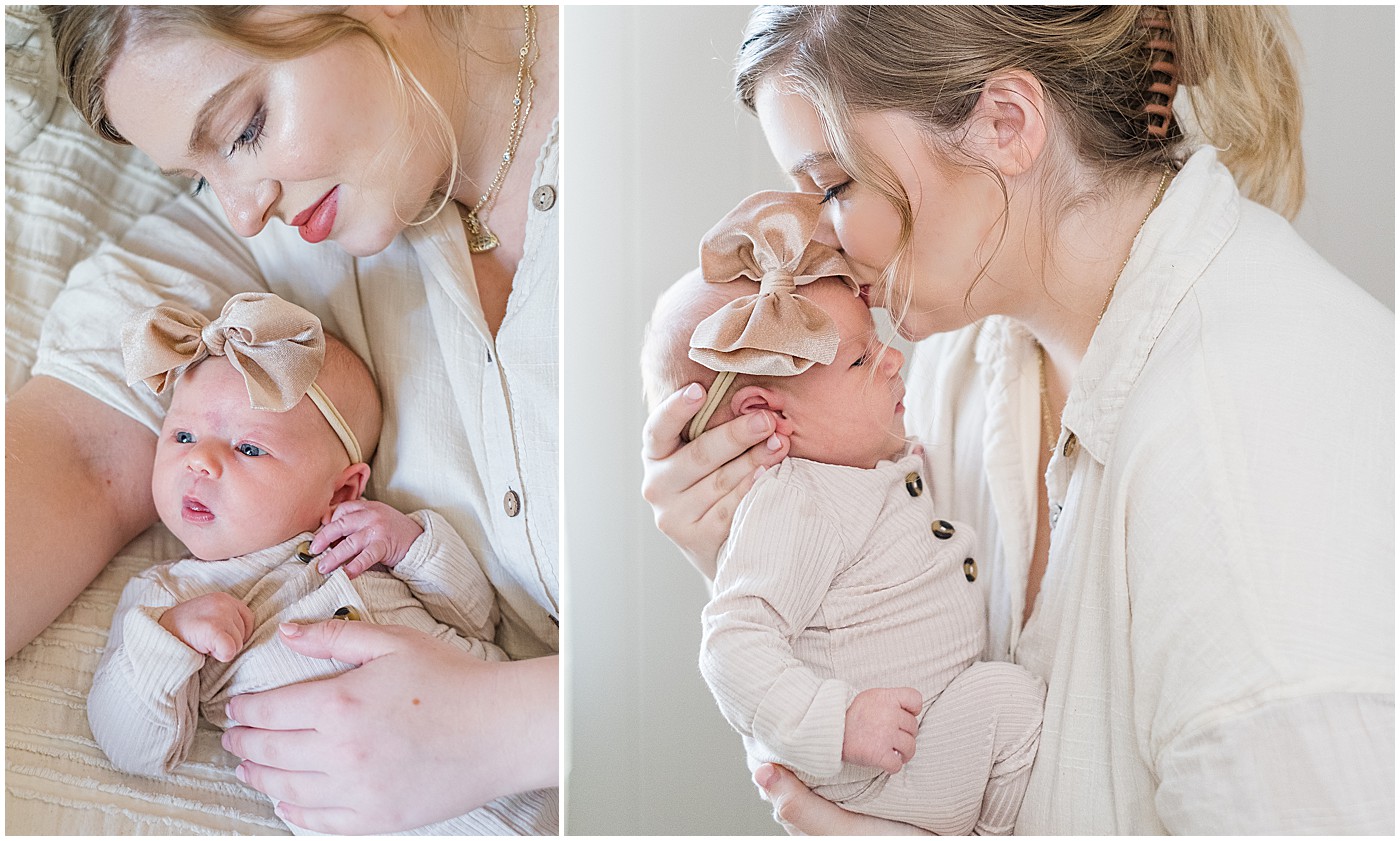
(150, 688)
(1216, 622)
(832, 582)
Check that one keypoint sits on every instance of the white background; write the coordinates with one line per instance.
(656, 150)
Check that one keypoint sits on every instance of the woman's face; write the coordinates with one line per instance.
(956, 212)
(319, 142)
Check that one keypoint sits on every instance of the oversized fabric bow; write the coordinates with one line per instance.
(276, 345)
(776, 332)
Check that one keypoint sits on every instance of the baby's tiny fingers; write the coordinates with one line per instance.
(362, 562)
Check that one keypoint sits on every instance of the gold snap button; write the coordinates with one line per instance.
(304, 552)
(942, 529)
(544, 198)
(915, 483)
(347, 613)
(512, 503)
(1071, 446)
(970, 569)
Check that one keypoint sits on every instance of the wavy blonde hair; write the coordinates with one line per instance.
(88, 39)
(1093, 63)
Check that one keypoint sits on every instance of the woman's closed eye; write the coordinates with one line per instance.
(834, 192)
(252, 134)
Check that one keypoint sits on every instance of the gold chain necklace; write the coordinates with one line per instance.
(479, 237)
(1047, 425)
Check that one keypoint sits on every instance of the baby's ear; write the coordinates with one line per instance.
(350, 487)
(755, 398)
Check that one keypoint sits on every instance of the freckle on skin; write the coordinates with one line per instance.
(416, 702)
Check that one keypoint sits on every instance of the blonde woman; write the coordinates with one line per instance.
(393, 170)
(1169, 420)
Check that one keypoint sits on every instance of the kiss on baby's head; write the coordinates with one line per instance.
(778, 316)
(230, 478)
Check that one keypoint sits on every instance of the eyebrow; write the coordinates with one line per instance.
(199, 135)
(809, 161)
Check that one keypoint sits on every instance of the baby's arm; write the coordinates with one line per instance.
(774, 573)
(144, 702)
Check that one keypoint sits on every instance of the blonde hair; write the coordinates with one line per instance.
(88, 39)
(1093, 63)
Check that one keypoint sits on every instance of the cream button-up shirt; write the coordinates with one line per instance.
(1216, 622)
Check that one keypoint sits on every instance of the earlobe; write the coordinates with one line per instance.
(1011, 113)
(350, 487)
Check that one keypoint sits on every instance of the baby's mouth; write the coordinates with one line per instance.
(194, 511)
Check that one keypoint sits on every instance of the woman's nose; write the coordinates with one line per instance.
(826, 230)
(248, 204)
(893, 361)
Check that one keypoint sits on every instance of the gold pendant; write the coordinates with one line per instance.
(479, 237)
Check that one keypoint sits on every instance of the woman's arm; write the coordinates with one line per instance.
(695, 488)
(803, 813)
(416, 734)
(77, 489)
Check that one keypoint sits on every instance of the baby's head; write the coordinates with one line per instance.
(849, 412)
(230, 479)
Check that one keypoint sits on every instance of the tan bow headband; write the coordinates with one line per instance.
(776, 332)
(276, 345)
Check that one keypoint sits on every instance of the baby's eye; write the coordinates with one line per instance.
(184, 438)
(251, 450)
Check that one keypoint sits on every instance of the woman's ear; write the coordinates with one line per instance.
(1009, 124)
(754, 398)
(349, 487)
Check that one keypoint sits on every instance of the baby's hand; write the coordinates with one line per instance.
(215, 624)
(369, 533)
(880, 728)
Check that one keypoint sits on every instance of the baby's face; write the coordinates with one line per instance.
(230, 479)
(850, 412)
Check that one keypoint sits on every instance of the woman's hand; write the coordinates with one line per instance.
(803, 813)
(420, 732)
(368, 532)
(694, 489)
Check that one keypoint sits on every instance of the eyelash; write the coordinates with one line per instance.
(834, 192)
(252, 144)
(861, 361)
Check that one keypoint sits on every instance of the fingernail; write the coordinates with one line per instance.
(764, 776)
(774, 444)
(758, 422)
(228, 711)
(321, 568)
(289, 629)
(693, 392)
(240, 773)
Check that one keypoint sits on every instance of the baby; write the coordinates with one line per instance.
(843, 636)
(262, 446)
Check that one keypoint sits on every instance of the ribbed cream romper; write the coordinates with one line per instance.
(835, 580)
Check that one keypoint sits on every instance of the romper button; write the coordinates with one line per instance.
(304, 552)
(347, 613)
(512, 503)
(1071, 446)
(544, 198)
(942, 529)
(915, 483)
(970, 569)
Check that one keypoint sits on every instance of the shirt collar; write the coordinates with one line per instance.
(1197, 215)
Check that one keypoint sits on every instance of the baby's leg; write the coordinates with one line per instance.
(972, 759)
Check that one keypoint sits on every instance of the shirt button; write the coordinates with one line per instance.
(347, 613)
(1071, 446)
(544, 198)
(942, 529)
(304, 552)
(512, 503)
(1055, 509)
(970, 569)
(914, 483)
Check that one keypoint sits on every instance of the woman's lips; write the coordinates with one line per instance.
(194, 511)
(316, 221)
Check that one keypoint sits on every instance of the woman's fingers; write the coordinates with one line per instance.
(289, 750)
(662, 434)
(803, 813)
(328, 821)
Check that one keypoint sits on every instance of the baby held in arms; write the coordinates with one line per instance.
(843, 636)
(260, 468)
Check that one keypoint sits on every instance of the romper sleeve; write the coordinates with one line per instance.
(144, 704)
(184, 252)
(445, 576)
(775, 570)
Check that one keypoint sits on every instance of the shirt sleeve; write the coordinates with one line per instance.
(184, 253)
(144, 702)
(774, 572)
(445, 576)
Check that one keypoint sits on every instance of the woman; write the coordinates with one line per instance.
(1111, 315)
(392, 132)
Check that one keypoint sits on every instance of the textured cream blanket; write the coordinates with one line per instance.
(65, 193)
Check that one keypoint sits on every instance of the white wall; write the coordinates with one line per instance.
(655, 152)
